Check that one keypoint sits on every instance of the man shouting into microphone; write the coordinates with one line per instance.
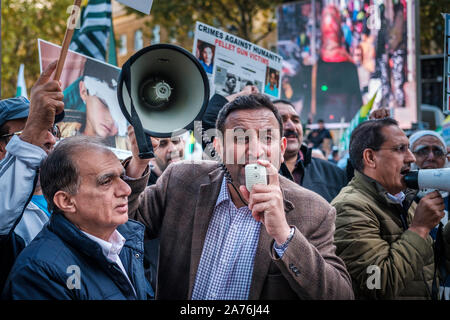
(220, 241)
(381, 234)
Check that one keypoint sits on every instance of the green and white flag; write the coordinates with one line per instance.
(93, 38)
(361, 116)
(21, 85)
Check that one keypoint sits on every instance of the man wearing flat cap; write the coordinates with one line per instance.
(13, 115)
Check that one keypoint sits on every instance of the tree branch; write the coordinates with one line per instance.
(264, 35)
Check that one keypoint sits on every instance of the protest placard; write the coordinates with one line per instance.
(90, 99)
(232, 63)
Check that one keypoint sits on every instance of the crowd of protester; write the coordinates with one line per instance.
(77, 223)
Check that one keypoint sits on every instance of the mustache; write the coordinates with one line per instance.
(406, 168)
(176, 156)
(288, 133)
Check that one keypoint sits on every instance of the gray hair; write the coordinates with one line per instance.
(59, 170)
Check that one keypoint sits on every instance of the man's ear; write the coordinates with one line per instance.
(283, 145)
(64, 201)
(218, 146)
(83, 90)
(369, 158)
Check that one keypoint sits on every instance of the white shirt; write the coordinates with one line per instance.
(111, 249)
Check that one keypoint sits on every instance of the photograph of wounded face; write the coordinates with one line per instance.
(95, 92)
(228, 85)
(90, 98)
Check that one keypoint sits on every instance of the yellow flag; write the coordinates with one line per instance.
(365, 109)
(447, 120)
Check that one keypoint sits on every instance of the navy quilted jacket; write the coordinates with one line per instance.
(62, 263)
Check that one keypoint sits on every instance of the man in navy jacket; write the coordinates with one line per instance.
(314, 174)
(89, 249)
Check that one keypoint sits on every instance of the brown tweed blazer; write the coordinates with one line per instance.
(178, 209)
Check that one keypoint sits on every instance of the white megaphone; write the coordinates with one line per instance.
(437, 179)
(162, 90)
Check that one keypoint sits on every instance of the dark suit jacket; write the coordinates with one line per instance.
(179, 207)
(320, 176)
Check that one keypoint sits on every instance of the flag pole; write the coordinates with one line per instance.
(67, 37)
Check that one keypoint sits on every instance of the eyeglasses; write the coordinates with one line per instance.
(53, 130)
(402, 148)
(424, 151)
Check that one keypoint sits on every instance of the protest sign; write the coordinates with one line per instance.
(90, 99)
(141, 5)
(232, 63)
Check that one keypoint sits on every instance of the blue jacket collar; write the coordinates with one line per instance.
(132, 231)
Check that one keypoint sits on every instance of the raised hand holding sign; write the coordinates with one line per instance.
(71, 24)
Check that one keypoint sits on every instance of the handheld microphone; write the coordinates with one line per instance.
(438, 179)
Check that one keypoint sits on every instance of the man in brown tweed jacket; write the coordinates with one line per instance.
(278, 240)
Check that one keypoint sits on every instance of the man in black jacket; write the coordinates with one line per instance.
(217, 102)
(314, 174)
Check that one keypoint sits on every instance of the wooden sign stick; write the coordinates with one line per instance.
(68, 37)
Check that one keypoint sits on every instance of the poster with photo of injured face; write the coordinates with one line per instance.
(90, 99)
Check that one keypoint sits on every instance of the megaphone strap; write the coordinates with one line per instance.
(143, 140)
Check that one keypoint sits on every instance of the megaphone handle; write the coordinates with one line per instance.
(143, 140)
